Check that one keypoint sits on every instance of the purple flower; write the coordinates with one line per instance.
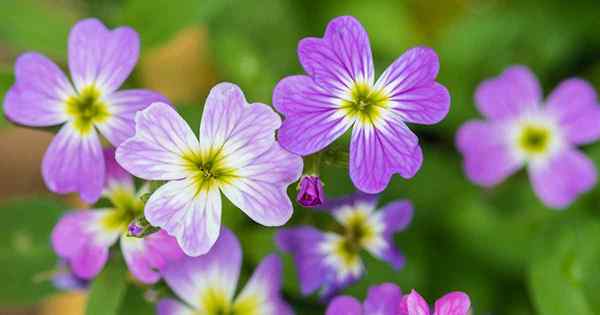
(453, 303)
(330, 261)
(236, 154)
(311, 192)
(519, 132)
(207, 284)
(340, 92)
(65, 279)
(99, 61)
(83, 238)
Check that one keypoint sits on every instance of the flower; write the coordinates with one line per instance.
(65, 279)
(237, 155)
(99, 61)
(519, 132)
(311, 192)
(83, 238)
(453, 303)
(340, 93)
(207, 284)
(330, 261)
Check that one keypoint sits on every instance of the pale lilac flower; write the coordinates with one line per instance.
(236, 155)
(310, 192)
(99, 61)
(84, 237)
(453, 303)
(384, 299)
(339, 92)
(207, 284)
(330, 261)
(65, 279)
(521, 130)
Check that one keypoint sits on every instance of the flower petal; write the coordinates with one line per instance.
(100, 57)
(74, 163)
(563, 178)
(415, 304)
(192, 216)
(342, 57)
(312, 120)
(161, 138)
(216, 272)
(377, 153)
(453, 303)
(345, 305)
(261, 189)
(487, 157)
(575, 105)
(38, 95)
(396, 217)
(383, 299)
(123, 105)
(515, 91)
(172, 307)
(116, 177)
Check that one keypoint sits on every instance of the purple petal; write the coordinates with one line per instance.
(377, 153)
(38, 95)
(116, 177)
(396, 217)
(100, 57)
(161, 139)
(172, 307)
(261, 189)
(192, 216)
(383, 299)
(345, 305)
(575, 106)
(343, 55)
(217, 271)
(123, 105)
(410, 84)
(312, 120)
(487, 157)
(414, 304)
(566, 176)
(515, 91)
(453, 303)
(74, 163)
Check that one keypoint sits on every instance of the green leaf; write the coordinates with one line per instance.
(107, 291)
(134, 302)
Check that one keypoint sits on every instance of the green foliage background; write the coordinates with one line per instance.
(512, 255)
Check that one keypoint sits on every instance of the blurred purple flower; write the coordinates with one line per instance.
(236, 154)
(99, 61)
(65, 279)
(519, 132)
(311, 192)
(340, 92)
(331, 261)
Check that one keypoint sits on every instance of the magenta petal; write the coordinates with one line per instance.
(101, 57)
(38, 95)
(383, 299)
(575, 105)
(345, 305)
(74, 163)
(172, 307)
(487, 157)
(414, 304)
(453, 303)
(514, 92)
(566, 176)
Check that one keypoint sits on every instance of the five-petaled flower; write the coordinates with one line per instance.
(519, 132)
(340, 92)
(330, 261)
(99, 61)
(207, 284)
(236, 154)
(84, 237)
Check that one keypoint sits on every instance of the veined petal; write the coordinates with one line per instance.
(345, 305)
(383, 299)
(74, 163)
(453, 303)
(116, 177)
(261, 187)
(101, 57)
(161, 139)
(575, 105)
(123, 105)
(312, 120)
(191, 215)
(415, 304)
(341, 57)
(200, 280)
(172, 307)
(38, 96)
(395, 217)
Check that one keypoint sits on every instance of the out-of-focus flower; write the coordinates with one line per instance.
(83, 238)
(237, 155)
(99, 61)
(384, 299)
(340, 92)
(63, 278)
(310, 192)
(453, 303)
(207, 284)
(330, 261)
(519, 132)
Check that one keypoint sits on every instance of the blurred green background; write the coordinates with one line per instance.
(512, 255)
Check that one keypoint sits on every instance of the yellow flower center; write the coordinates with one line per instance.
(534, 139)
(87, 109)
(209, 169)
(215, 302)
(365, 104)
(126, 207)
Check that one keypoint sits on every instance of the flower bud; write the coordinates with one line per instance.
(310, 191)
